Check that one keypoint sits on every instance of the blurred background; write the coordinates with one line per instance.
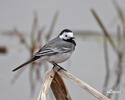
(26, 25)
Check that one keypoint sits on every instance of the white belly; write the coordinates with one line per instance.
(60, 57)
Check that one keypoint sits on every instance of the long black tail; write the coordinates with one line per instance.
(29, 61)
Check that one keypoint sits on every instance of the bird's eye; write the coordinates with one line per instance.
(66, 35)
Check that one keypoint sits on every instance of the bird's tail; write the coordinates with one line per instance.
(29, 61)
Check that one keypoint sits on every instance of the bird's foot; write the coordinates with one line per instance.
(59, 67)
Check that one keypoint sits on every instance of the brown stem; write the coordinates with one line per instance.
(59, 89)
(106, 82)
(104, 30)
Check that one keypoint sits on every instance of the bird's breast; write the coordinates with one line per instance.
(59, 58)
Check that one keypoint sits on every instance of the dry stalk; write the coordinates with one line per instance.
(118, 53)
(107, 35)
(83, 85)
(107, 67)
(50, 76)
(59, 88)
(46, 85)
(53, 24)
(3, 49)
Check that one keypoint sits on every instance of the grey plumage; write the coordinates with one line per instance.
(57, 50)
(56, 46)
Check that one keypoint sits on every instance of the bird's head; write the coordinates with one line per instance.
(66, 34)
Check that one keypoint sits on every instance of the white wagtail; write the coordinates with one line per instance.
(55, 51)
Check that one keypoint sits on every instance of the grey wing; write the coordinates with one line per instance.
(53, 47)
(50, 50)
(46, 52)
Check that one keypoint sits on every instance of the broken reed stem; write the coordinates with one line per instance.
(3, 49)
(83, 85)
(50, 75)
(107, 76)
(53, 24)
(59, 88)
(107, 35)
(46, 85)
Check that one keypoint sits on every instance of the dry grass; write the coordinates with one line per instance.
(46, 85)
(74, 79)
(3, 49)
(116, 47)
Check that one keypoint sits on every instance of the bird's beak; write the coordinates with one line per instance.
(73, 37)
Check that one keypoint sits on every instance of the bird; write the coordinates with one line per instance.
(56, 50)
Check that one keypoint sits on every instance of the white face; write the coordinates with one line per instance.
(66, 35)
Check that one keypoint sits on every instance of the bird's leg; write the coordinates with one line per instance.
(54, 66)
(60, 68)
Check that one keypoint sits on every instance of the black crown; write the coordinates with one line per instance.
(65, 30)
